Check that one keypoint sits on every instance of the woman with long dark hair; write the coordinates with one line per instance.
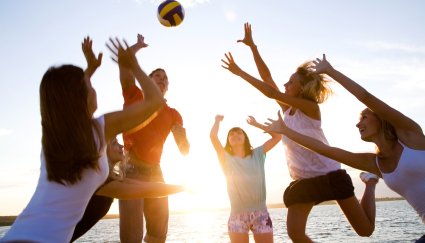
(73, 158)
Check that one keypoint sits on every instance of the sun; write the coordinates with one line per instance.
(200, 172)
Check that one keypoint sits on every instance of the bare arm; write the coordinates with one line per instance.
(361, 161)
(126, 75)
(269, 144)
(179, 133)
(308, 107)
(407, 129)
(131, 189)
(262, 68)
(138, 113)
(219, 149)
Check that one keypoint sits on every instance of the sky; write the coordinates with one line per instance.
(380, 44)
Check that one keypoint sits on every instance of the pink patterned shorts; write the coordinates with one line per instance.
(258, 222)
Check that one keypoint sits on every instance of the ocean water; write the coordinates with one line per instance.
(395, 222)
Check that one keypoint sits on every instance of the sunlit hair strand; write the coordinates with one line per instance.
(315, 86)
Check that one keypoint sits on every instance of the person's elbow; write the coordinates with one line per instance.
(276, 136)
(158, 102)
(154, 106)
(270, 93)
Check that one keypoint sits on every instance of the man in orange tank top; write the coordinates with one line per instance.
(144, 146)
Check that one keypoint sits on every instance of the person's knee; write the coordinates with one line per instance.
(130, 238)
(157, 231)
(155, 239)
(296, 236)
(296, 233)
(366, 232)
(157, 220)
(131, 231)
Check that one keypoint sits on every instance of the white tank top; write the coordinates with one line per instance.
(408, 179)
(55, 209)
(304, 163)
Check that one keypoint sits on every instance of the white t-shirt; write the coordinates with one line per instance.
(304, 163)
(55, 209)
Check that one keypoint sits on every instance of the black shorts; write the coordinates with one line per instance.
(421, 240)
(335, 185)
(96, 209)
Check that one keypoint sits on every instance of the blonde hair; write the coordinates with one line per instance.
(315, 86)
(386, 128)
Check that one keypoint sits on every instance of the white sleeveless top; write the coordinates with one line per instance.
(55, 209)
(304, 163)
(408, 179)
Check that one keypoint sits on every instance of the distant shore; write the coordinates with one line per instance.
(8, 220)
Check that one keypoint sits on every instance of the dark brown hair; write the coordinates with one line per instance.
(247, 145)
(154, 71)
(68, 141)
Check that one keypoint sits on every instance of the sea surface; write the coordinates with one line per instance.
(395, 222)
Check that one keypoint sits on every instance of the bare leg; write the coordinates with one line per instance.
(296, 222)
(368, 201)
(156, 213)
(131, 220)
(156, 216)
(238, 237)
(361, 215)
(264, 238)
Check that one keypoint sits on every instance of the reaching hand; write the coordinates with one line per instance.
(124, 57)
(141, 41)
(322, 66)
(92, 62)
(219, 118)
(231, 65)
(251, 121)
(139, 44)
(247, 39)
(275, 126)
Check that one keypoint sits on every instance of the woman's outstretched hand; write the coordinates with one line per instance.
(247, 39)
(230, 64)
(274, 126)
(322, 65)
(252, 121)
(92, 62)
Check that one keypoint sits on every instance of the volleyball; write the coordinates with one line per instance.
(170, 13)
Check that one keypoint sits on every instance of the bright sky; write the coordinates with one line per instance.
(380, 44)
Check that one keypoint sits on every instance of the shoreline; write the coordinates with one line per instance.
(8, 220)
